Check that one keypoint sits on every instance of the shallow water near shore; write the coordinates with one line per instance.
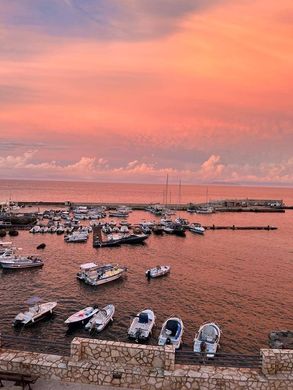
(240, 279)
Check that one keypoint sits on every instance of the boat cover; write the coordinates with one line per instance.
(209, 334)
(143, 318)
(172, 326)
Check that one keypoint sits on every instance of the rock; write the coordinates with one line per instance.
(282, 339)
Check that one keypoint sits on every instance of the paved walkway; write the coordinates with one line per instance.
(43, 384)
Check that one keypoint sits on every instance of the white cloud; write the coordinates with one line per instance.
(92, 168)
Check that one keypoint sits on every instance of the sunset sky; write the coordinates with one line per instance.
(130, 90)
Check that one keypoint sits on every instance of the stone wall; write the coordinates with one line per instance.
(277, 361)
(123, 353)
(152, 368)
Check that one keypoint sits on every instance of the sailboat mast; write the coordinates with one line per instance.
(167, 184)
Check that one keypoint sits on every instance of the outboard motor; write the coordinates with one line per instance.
(148, 274)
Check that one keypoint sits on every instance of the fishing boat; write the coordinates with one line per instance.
(101, 319)
(81, 317)
(104, 275)
(142, 325)
(171, 332)
(35, 313)
(207, 339)
(196, 228)
(159, 270)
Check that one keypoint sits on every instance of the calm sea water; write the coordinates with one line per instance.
(240, 279)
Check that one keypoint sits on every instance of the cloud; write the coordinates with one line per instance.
(101, 19)
(92, 168)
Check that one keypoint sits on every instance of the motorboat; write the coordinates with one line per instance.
(207, 339)
(182, 221)
(205, 210)
(142, 325)
(196, 228)
(81, 317)
(159, 270)
(91, 269)
(171, 332)
(106, 275)
(77, 237)
(12, 261)
(35, 313)
(101, 319)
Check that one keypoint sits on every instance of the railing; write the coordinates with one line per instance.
(34, 345)
(220, 359)
(181, 357)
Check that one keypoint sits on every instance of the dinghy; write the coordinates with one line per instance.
(35, 313)
(171, 333)
(101, 319)
(159, 270)
(142, 325)
(207, 339)
(81, 317)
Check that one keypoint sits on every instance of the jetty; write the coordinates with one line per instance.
(223, 205)
(233, 227)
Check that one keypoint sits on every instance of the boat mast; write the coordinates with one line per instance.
(167, 184)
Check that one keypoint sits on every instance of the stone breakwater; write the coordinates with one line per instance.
(147, 368)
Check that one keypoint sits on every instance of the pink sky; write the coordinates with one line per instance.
(202, 90)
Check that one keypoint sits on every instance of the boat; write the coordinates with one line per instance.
(207, 339)
(159, 270)
(81, 317)
(205, 210)
(87, 269)
(104, 275)
(12, 261)
(77, 237)
(171, 332)
(196, 228)
(142, 325)
(101, 319)
(35, 313)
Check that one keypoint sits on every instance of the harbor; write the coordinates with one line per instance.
(91, 226)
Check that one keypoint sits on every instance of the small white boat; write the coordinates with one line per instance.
(101, 319)
(159, 270)
(196, 228)
(81, 317)
(142, 325)
(34, 313)
(21, 262)
(171, 332)
(207, 339)
(205, 210)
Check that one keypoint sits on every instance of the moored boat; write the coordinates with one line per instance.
(20, 262)
(196, 228)
(207, 339)
(81, 317)
(171, 332)
(101, 319)
(142, 325)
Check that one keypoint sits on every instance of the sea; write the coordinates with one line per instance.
(242, 280)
